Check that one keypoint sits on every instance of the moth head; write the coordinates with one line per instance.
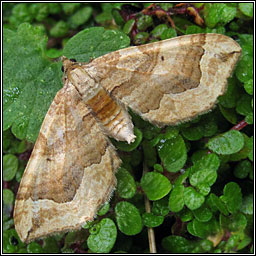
(68, 64)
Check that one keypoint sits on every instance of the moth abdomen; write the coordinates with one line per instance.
(114, 119)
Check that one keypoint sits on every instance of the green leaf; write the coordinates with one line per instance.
(158, 167)
(227, 143)
(124, 146)
(192, 199)
(69, 8)
(155, 185)
(173, 153)
(185, 215)
(244, 70)
(50, 245)
(59, 29)
(176, 199)
(203, 229)
(34, 248)
(248, 86)
(106, 15)
(202, 214)
(245, 242)
(10, 166)
(160, 207)
(245, 152)
(218, 13)
(232, 197)
(204, 171)
(144, 22)
(32, 83)
(151, 220)
(229, 99)
(249, 118)
(128, 218)
(141, 38)
(104, 240)
(8, 196)
(250, 146)
(194, 132)
(204, 189)
(243, 106)
(158, 30)
(103, 209)
(247, 205)
(229, 113)
(128, 26)
(246, 9)
(215, 202)
(177, 244)
(193, 29)
(238, 222)
(80, 17)
(168, 33)
(126, 186)
(73, 237)
(94, 42)
(242, 169)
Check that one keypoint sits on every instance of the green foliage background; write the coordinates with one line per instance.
(199, 174)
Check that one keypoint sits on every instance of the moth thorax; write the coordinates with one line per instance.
(86, 86)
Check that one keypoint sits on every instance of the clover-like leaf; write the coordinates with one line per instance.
(104, 239)
(203, 214)
(227, 143)
(176, 199)
(10, 166)
(128, 218)
(232, 197)
(155, 185)
(203, 229)
(215, 202)
(173, 153)
(94, 42)
(192, 198)
(177, 244)
(151, 220)
(126, 186)
(204, 171)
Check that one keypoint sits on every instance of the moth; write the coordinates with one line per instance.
(71, 171)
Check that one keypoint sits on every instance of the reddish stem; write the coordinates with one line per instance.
(239, 126)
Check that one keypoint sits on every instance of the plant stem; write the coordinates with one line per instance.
(151, 233)
(240, 125)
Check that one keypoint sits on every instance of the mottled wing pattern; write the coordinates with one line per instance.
(169, 81)
(70, 172)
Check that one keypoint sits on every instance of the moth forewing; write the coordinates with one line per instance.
(71, 170)
(170, 81)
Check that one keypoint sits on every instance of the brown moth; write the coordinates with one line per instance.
(71, 171)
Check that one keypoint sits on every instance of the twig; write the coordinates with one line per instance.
(151, 233)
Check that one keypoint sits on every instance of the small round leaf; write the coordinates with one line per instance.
(193, 199)
(151, 220)
(227, 143)
(104, 240)
(232, 197)
(176, 200)
(173, 153)
(155, 185)
(128, 218)
(10, 166)
(126, 186)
